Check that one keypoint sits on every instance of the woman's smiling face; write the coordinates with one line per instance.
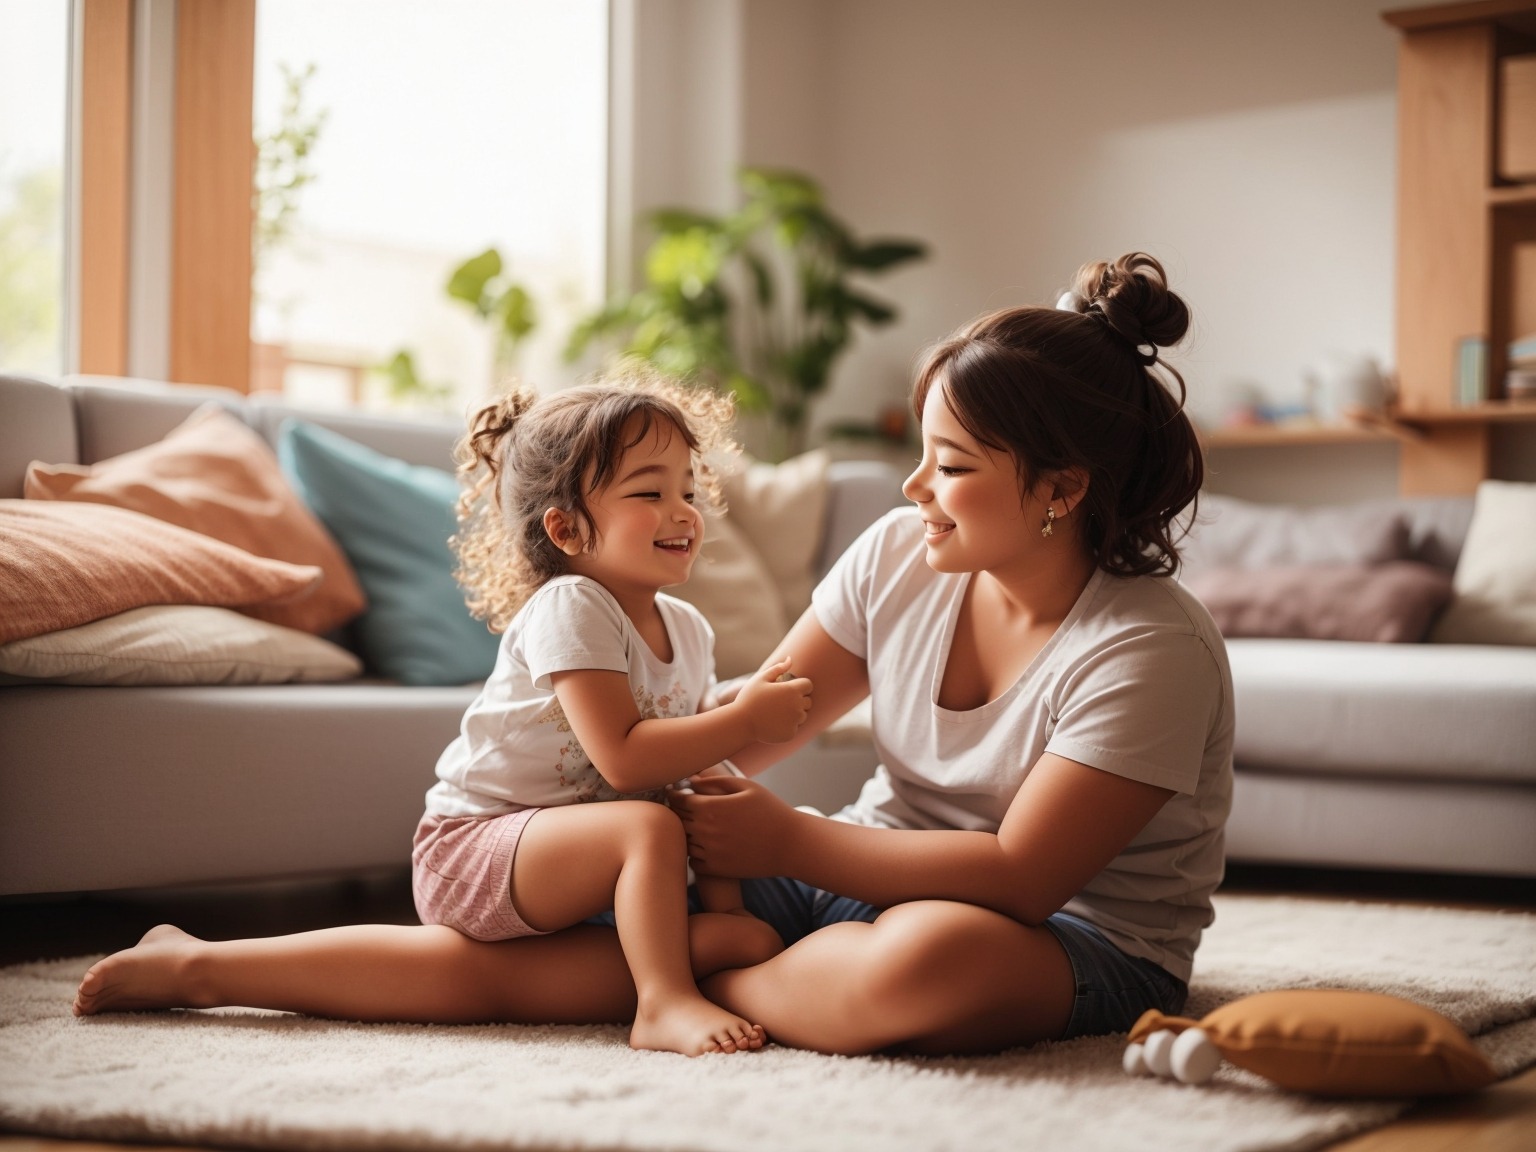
(968, 495)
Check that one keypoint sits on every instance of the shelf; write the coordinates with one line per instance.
(1512, 195)
(1370, 428)
(1488, 412)
(1294, 435)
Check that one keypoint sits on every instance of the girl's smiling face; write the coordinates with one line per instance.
(647, 530)
(974, 518)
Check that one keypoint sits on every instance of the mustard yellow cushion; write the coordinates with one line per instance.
(1339, 1043)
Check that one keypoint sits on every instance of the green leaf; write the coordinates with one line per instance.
(515, 307)
(762, 278)
(468, 281)
(685, 262)
(682, 220)
(875, 311)
(878, 255)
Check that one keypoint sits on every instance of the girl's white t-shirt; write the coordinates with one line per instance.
(515, 748)
(1134, 681)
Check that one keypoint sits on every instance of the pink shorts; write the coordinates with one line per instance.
(461, 874)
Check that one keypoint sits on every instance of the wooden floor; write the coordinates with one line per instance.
(1498, 1119)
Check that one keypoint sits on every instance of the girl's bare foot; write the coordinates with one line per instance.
(692, 1026)
(154, 973)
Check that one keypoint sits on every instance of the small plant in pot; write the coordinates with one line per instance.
(759, 303)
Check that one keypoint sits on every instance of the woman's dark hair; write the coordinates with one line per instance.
(1077, 386)
(524, 454)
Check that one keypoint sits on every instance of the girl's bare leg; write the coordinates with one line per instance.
(391, 972)
(735, 935)
(373, 972)
(931, 976)
(576, 861)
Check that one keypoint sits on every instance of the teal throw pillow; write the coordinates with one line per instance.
(393, 521)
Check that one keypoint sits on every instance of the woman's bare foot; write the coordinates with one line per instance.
(734, 939)
(152, 974)
(692, 1026)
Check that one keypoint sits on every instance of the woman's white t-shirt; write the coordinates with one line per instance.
(1134, 681)
(515, 748)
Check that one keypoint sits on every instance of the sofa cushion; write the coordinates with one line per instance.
(1392, 603)
(144, 787)
(1466, 712)
(1495, 601)
(394, 520)
(782, 510)
(214, 475)
(118, 414)
(176, 644)
(1232, 533)
(39, 422)
(66, 564)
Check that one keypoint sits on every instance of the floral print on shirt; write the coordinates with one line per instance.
(574, 767)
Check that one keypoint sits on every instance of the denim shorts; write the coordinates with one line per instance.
(1113, 989)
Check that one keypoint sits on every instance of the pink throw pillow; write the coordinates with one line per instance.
(62, 565)
(216, 476)
(1394, 602)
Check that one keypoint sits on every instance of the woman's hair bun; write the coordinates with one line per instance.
(1132, 294)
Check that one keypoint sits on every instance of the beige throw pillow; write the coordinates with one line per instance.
(732, 586)
(1495, 600)
(782, 510)
(176, 644)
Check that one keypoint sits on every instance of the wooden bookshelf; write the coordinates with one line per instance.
(1466, 220)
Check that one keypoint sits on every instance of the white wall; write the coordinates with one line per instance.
(1250, 146)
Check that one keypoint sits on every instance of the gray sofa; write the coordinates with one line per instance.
(1400, 756)
(130, 787)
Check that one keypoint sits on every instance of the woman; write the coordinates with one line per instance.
(1034, 859)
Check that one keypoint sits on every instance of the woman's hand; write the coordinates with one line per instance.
(736, 827)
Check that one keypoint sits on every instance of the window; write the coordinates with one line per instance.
(392, 147)
(34, 83)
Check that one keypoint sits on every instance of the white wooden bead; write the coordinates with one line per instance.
(1135, 1060)
(1159, 1048)
(1193, 1058)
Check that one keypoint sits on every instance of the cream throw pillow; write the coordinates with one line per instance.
(1495, 600)
(176, 644)
(782, 509)
(732, 586)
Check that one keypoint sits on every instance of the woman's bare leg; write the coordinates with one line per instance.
(373, 972)
(931, 976)
(576, 861)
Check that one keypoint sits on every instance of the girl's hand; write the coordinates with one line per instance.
(736, 827)
(775, 707)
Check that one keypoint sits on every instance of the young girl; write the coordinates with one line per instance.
(1035, 857)
(578, 509)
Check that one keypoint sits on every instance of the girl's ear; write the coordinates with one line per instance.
(561, 531)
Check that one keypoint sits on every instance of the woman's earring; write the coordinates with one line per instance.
(1050, 521)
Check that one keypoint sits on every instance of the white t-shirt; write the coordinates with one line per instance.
(515, 748)
(1134, 682)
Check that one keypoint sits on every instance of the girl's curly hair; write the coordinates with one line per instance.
(524, 454)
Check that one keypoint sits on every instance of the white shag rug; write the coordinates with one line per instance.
(257, 1080)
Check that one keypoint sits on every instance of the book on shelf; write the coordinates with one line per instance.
(1471, 386)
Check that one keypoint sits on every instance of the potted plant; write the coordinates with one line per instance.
(759, 303)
